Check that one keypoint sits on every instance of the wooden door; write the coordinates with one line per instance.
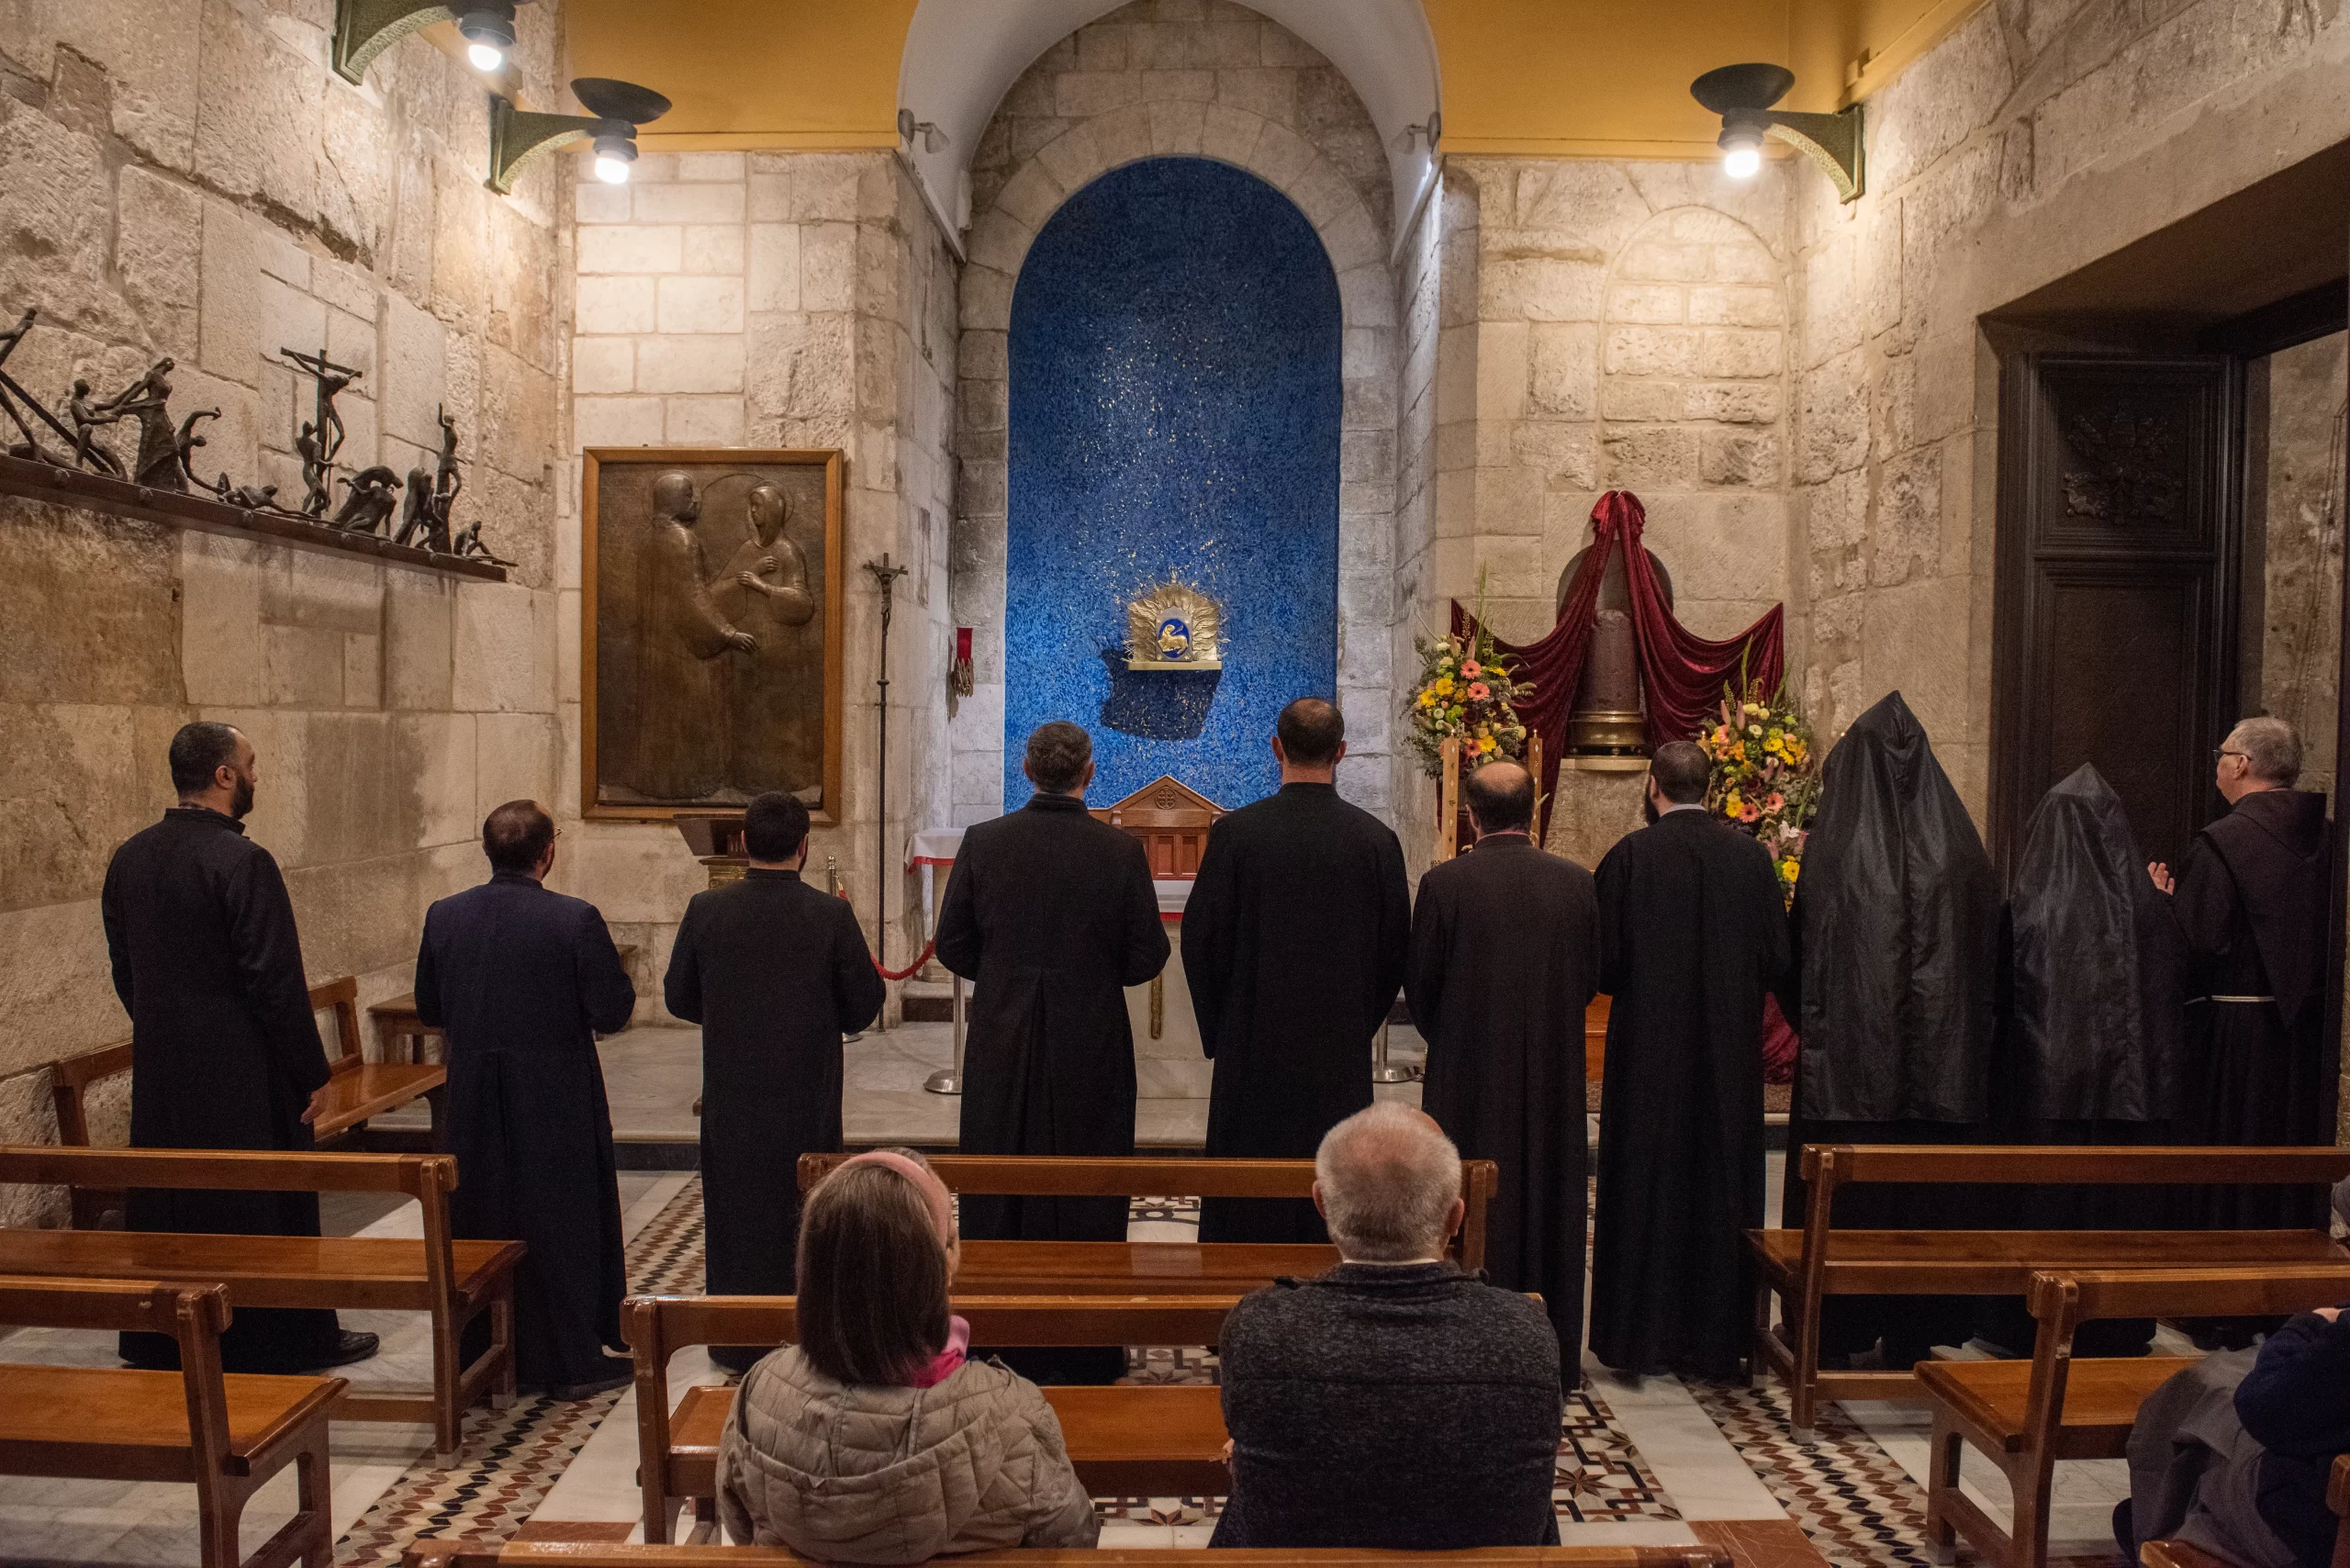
(2114, 639)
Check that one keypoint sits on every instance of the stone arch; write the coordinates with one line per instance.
(1286, 115)
(1693, 395)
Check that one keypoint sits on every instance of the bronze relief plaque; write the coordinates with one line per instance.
(710, 630)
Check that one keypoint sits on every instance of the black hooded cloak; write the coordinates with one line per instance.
(1896, 928)
(2090, 1029)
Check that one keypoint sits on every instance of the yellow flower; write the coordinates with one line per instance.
(1444, 686)
(1789, 869)
(1732, 805)
(1484, 743)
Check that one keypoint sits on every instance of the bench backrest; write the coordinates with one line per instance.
(1841, 1164)
(597, 1554)
(194, 1316)
(1060, 1176)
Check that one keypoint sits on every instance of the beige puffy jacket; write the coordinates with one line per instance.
(869, 1473)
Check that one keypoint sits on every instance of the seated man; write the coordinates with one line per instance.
(2231, 1455)
(1393, 1402)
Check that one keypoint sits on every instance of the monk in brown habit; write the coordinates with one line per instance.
(2250, 899)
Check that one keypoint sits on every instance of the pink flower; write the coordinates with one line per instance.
(1472, 669)
(1775, 803)
(1477, 691)
(1750, 813)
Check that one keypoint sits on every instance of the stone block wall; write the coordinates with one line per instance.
(776, 300)
(192, 181)
(2294, 497)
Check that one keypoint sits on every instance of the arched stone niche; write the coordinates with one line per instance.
(1156, 81)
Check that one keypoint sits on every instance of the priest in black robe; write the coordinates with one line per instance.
(1294, 943)
(523, 979)
(775, 971)
(2250, 902)
(1692, 935)
(224, 1049)
(1051, 915)
(2089, 1033)
(1897, 926)
(1505, 958)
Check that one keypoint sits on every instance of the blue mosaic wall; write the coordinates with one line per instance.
(1175, 408)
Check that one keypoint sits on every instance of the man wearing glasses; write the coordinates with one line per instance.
(2250, 899)
(524, 979)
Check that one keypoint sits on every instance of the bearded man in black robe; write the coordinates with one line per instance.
(775, 972)
(1692, 935)
(523, 979)
(224, 1050)
(1896, 927)
(2089, 1033)
(2250, 901)
(1505, 958)
(1294, 943)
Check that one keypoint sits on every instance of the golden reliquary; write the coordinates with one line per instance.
(1173, 627)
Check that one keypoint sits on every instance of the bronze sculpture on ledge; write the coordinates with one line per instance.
(321, 438)
(369, 504)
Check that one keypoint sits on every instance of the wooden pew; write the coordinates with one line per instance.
(595, 1554)
(225, 1435)
(1801, 1267)
(1004, 1175)
(454, 1281)
(357, 1090)
(2025, 1415)
(1124, 1441)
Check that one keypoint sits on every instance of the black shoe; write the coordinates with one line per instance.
(616, 1374)
(351, 1345)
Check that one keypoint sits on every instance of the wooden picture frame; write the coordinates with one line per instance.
(830, 616)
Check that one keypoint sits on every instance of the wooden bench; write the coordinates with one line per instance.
(454, 1281)
(357, 1090)
(2025, 1415)
(596, 1554)
(226, 1435)
(1802, 1267)
(1057, 1176)
(1125, 1442)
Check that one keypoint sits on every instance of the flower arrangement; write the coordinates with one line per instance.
(1466, 691)
(1764, 780)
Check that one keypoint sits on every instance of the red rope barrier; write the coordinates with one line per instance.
(911, 969)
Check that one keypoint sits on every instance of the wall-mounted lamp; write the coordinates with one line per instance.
(366, 28)
(1431, 133)
(933, 139)
(1743, 96)
(616, 109)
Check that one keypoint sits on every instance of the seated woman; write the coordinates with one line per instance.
(2231, 1455)
(873, 1440)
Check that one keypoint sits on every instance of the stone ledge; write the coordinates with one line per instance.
(121, 498)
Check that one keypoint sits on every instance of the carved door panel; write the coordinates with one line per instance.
(2116, 609)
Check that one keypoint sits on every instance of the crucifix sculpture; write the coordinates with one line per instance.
(324, 429)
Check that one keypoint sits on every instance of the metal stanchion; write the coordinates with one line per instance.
(950, 1081)
(1382, 1069)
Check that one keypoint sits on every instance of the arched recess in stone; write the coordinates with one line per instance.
(1692, 408)
(1300, 128)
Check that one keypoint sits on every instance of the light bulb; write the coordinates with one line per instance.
(485, 57)
(611, 171)
(1742, 162)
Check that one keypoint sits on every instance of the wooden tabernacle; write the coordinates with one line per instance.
(1172, 821)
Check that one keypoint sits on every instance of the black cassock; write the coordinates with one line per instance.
(1051, 915)
(224, 1051)
(2089, 1032)
(1692, 935)
(1505, 959)
(775, 971)
(1294, 941)
(2251, 905)
(1895, 994)
(523, 979)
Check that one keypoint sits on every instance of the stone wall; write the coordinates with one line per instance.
(2294, 489)
(191, 180)
(778, 300)
(1184, 78)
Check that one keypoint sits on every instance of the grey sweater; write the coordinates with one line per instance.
(1411, 1407)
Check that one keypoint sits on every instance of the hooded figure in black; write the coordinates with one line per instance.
(1896, 933)
(2250, 898)
(2089, 1032)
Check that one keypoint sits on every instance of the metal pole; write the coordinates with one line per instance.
(1383, 1071)
(886, 576)
(951, 1080)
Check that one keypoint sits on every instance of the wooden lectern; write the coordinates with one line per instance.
(1172, 821)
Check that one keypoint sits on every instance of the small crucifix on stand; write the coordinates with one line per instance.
(324, 431)
(885, 576)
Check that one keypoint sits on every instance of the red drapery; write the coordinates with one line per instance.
(1682, 674)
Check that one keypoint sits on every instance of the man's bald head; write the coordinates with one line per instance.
(1501, 797)
(1389, 1182)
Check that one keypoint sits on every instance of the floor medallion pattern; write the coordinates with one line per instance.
(1856, 1503)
